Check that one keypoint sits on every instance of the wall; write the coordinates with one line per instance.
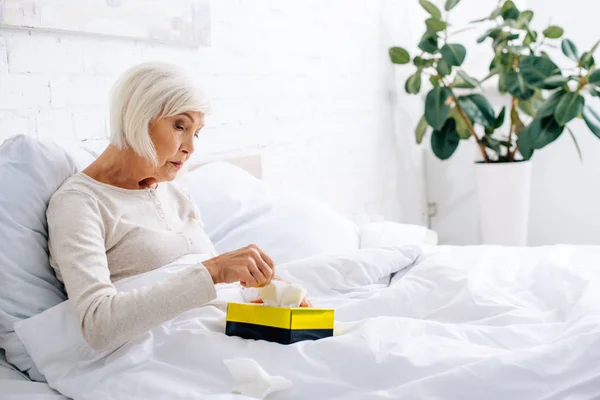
(306, 83)
(565, 191)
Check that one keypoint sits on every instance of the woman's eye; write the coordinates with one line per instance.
(179, 128)
(196, 135)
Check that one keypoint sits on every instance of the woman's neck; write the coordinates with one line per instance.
(122, 168)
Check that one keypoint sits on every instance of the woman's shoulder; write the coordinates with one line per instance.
(75, 186)
(73, 194)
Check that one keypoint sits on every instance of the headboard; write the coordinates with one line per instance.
(250, 163)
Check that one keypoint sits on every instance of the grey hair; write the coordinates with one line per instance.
(148, 92)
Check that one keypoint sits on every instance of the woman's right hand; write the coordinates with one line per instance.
(249, 265)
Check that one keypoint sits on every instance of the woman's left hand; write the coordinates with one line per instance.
(304, 303)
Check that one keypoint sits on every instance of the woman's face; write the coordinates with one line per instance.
(173, 139)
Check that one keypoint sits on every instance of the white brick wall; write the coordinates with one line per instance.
(306, 81)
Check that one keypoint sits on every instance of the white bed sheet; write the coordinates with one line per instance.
(474, 322)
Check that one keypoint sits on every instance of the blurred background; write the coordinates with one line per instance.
(307, 84)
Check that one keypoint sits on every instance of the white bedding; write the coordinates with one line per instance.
(458, 323)
(14, 385)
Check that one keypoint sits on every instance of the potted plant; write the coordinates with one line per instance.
(543, 100)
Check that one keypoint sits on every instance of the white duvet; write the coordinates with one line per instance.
(453, 323)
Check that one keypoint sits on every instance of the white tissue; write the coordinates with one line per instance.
(282, 294)
(252, 380)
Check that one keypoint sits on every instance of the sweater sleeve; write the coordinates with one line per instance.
(107, 317)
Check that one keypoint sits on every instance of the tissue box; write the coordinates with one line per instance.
(277, 324)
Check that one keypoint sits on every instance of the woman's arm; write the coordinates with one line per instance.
(108, 317)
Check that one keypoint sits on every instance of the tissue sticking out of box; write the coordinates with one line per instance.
(282, 294)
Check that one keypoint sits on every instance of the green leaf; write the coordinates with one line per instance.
(594, 78)
(525, 144)
(491, 143)
(500, 40)
(507, 5)
(553, 32)
(544, 131)
(568, 108)
(478, 109)
(594, 92)
(492, 73)
(502, 82)
(445, 141)
(421, 129)
(510, 23)
(510, 13)
(450, 4)
(431, 9)
(435, 25)
(435, 82)
(443, 68)
(545, 55)
(516, 85)
(496, 13)
(437, 106)
(535, 69)
(500, 119)
(421, 62)
(413, 83)
(570, 50)
(592, 120)
(429, 44)
(575, 143)
(464, 81)
(554, 82)
(587, 60)
(549, 106)
(493, 33)
(454, 54)
(527, 107)
(530, 38)
(398, 55)
(477, 21)
(525, 18)
(461, 126)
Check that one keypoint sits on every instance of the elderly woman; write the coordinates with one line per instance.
(123, 215)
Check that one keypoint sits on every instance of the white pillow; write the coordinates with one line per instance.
(380, 234)
(30, 172)
(238, 209)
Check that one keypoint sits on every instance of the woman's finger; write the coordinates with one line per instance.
(259, 277)
(265, 269)
(257, 301)
(266, 258)
(247, 280)
(305, 303)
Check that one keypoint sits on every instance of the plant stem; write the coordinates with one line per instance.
(581, 84)
(463, 115)
(513, 125)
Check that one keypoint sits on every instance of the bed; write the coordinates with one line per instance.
(14, 385)
(413, 319)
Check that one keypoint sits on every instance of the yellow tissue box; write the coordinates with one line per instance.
(277, 324)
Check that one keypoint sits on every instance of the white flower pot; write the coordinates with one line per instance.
(503, 190)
